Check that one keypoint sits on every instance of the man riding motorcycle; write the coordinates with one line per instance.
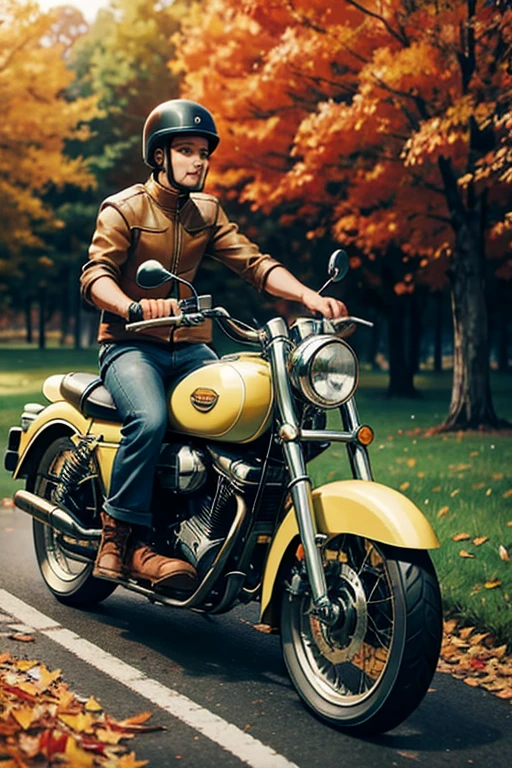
(171, 220)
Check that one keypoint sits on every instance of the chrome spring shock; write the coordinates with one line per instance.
(76, 467)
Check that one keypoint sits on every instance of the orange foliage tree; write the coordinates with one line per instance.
(37, 121)
(385, 123)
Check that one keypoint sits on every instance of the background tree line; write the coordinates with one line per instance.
(382, 126)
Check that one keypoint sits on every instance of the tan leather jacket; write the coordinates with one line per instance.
(149, 221)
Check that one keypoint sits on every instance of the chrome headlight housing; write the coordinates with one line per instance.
(324, 370)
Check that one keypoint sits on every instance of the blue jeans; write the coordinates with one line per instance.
(137, 376)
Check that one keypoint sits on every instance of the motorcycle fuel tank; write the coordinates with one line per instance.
(229, 400)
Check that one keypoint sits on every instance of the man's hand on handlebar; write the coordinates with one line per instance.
(327, 306)
(150, 309)
(153, 308)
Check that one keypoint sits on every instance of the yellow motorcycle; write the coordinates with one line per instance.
(342, 571)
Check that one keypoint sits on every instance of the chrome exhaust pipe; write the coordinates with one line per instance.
(48, 513)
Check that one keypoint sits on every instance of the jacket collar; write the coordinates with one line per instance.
(169, 199)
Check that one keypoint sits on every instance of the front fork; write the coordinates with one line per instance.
(357, 453)
(300, 482)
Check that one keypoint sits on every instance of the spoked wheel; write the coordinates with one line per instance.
(66, 564)
(369, 671)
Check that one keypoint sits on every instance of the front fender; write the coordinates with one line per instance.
(359, 507)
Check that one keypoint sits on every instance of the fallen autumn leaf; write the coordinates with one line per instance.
(41, 720)
(492, 584)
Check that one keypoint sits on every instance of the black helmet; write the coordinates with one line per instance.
(177, 116)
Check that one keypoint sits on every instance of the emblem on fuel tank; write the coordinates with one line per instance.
(204, 399)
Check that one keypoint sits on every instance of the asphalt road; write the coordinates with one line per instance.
(219, 686)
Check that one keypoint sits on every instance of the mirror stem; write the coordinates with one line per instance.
(324, 286)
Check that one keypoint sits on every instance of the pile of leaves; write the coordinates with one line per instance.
(43, 722)
(476, 659)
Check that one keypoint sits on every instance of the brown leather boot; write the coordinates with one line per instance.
(144, 564)
(110, 559)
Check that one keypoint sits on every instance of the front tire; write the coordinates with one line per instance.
(371, 670)
(68, 578)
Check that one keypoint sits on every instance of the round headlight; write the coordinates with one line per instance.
(325, 370)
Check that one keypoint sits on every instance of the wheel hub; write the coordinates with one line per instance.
(342, 641)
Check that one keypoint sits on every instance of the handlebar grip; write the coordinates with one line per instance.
(154, 323)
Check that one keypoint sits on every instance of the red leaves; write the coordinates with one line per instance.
(52, 742)
(40, 718)
(474, 658)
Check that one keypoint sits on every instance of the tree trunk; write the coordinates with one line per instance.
(438, 332)
(42, 316)
(471, 404)
(78, 324)
(503, 344)
(374, 343)
(416, 308)
(29, 335)
(64, 278)
(401, 374)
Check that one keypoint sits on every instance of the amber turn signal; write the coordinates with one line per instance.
(365, 435)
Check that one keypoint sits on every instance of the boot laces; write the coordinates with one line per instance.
(117, 536)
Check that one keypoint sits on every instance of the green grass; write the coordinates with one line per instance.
(469, 474)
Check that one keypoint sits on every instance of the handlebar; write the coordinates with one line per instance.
(236, 329)
(348, 322)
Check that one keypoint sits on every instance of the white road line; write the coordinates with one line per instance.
(248, 749)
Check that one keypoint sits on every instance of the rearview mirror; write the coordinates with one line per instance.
(337, 267)
(151, 274)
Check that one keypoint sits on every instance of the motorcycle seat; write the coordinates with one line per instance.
(86, 392)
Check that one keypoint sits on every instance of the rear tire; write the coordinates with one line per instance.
(368, 673)
(68, 578)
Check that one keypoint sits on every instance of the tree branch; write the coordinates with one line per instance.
(380, 18)
(467, 56)
(419, 102)
(428, 184)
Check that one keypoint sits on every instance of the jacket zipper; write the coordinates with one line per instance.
(177, 250)
(174, 266)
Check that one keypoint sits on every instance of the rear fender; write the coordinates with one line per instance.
(57, 420)
(60, 419)
(360, 507)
